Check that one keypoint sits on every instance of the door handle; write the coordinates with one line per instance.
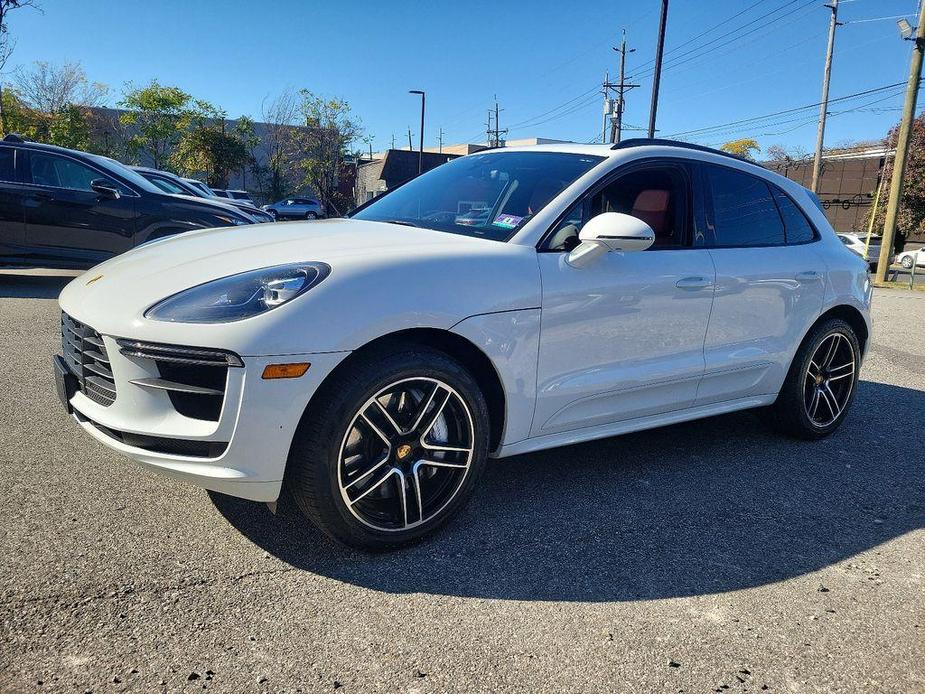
(38, 195)
(694, 283)
(808, 276)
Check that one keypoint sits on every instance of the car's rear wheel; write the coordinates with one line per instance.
(821, 383)
(907, 262)
(311, 215)
(390, 449)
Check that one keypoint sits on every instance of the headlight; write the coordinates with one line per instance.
(239, 296)
(230, 221)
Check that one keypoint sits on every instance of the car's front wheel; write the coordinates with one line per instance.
(906, 262)
(391, 448)
(821, 383)
(311, 215)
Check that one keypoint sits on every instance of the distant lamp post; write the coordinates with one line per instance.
(421, 146)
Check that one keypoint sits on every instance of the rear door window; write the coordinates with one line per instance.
(7, 170)
(743, 210)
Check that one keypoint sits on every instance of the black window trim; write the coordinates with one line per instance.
(27, 167)
(680, 163)
(709, 212)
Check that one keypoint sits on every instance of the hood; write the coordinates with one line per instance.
(397, 265)
(216, 205)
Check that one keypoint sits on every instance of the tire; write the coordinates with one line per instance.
(813, 383)
(907, 262)
(338, 437)
(311, 215)
(274, 214)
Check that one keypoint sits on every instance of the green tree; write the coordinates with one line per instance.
(70, 127)
(911, 219)
(330, 129)
(157, 116)
(742, 148)
(208, 148)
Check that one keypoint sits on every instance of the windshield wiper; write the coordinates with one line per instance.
(403, 222)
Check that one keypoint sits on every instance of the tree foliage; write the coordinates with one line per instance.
(208, 148)
(911, 219)
(51, 88)
(158, 116)
(330, 129)
(742, 148)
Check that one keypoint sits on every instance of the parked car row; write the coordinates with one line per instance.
(69, 209)
(173, 184)
(64, 208)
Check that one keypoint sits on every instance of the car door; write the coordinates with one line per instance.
(12, 224)
(623, 337)
(770, 283)
(65, 219)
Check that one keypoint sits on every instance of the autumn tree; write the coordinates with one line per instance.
(742, 148)
(52, 88)
(281, 144)
(911, 219)
(158, 116)
(7, 44)
(330, 129)
(209, 147)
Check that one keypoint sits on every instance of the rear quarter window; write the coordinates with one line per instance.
(796, 225)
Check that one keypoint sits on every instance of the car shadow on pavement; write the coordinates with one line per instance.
(698, 508)
(32, 286)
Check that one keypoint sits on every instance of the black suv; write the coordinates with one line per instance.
(67, 209)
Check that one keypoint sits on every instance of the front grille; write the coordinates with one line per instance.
(86, 357)
(194, 378)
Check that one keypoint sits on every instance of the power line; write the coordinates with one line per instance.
(785, 111)
(699, 52)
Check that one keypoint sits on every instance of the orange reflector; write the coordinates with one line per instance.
(285, 370)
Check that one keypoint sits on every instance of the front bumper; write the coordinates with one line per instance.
(243, 453)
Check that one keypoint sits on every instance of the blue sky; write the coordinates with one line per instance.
(542, 59)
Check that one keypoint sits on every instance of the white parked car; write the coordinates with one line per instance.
(857, 243)
(373, 364)
(915, 256)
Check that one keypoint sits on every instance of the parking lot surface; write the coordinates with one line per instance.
(709, 556)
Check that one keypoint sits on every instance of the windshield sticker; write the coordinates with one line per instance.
(507, 221)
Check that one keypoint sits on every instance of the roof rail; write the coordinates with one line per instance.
(642, 141)
(13, 137)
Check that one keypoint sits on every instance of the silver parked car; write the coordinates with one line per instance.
(296, 208)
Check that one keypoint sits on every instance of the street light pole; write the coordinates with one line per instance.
(421, 146)
(902, 148)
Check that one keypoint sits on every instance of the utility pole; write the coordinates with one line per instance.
(824, 107)
(608, 106)
(440, 142)
(616, 130)
(494, 134)
(421, 145)
(902, 148)
(410, 146)
(657, 77)
(393, 140)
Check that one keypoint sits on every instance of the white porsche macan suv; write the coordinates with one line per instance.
(506, 302)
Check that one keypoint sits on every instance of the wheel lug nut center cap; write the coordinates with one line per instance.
(403, 451)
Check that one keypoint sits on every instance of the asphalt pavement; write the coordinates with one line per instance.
(708, 556)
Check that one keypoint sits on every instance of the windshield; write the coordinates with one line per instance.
(132, 177)
(200, 186)
(487, 195)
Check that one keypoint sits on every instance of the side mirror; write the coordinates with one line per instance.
(610, 231)
(106, 189)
